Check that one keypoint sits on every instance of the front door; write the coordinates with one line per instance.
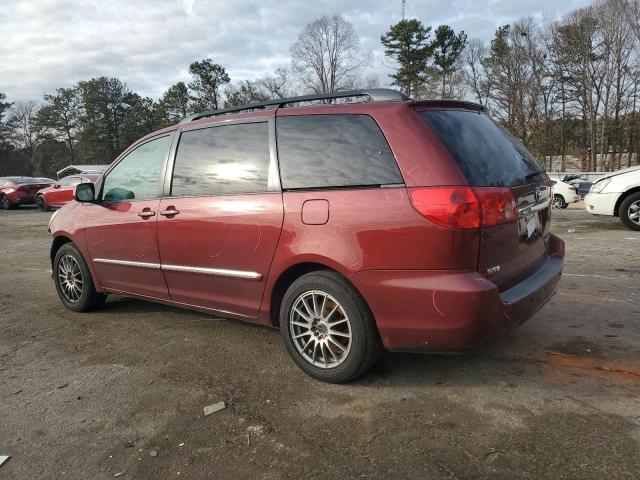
(64, 192)
(219, 228)
(121, 228)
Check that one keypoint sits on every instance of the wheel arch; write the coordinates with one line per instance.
(290, 275)
(616, 208)
(57, 243)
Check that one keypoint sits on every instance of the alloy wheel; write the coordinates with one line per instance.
(634, 212)
(557, 202)
(70, 278)
(320, 329)
(5, 203)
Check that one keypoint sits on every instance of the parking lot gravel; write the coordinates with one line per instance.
(120, 392)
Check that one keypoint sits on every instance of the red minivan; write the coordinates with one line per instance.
(353, 227)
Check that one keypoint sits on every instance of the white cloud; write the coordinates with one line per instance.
(149, 44)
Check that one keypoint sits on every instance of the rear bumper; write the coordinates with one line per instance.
(601, 203)
(453, 311)
(573, 198)
(21, 198)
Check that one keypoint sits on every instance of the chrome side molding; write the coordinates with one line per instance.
(220, 272)
(127, 263)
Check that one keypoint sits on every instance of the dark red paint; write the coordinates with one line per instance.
(429, 286)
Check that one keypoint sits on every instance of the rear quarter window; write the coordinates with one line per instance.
(486, 153)
(332, 151)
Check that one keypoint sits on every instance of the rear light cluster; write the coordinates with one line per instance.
(464, 207)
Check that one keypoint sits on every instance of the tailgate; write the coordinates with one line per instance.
(514, 247)
(510, 252)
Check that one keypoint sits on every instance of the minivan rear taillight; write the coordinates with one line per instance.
(464, 207)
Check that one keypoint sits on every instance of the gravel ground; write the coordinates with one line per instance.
(120, 392)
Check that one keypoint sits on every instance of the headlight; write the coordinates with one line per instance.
(599, 186)
(9, 190)
(52, 217)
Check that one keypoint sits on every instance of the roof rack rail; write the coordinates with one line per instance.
(375, 94)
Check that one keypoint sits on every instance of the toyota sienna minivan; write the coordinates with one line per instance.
(353, 227)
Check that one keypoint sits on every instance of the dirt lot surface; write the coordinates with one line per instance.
(120, 392)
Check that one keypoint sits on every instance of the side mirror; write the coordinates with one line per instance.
(85, 192)
(56, 185)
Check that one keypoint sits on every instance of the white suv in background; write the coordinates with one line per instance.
(564, 194)
(617, 194)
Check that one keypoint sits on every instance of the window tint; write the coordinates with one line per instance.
(69, 181)
(486, 153)
(229, 159)
(317, 151)
(137, 176)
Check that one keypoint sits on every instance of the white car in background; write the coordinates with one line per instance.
(617, 194)
(564, 194)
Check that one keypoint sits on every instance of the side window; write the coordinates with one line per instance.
(69, 181)
(319, 151)
(229, 159)
(137, 176)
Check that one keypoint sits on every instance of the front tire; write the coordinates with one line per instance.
(328, 329)
(73, 280)
(558, 201)
(5, 203)
(630, 211)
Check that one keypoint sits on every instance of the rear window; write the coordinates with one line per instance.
(331, 151)
(486, 153)
(22, 180)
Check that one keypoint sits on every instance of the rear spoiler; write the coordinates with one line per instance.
(426, 104)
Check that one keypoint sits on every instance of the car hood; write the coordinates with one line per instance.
(619, 172)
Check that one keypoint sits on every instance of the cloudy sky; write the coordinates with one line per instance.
(46, 44)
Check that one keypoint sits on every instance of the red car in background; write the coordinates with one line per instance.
(62, 192)
(16, 191)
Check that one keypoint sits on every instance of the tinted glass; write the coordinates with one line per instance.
(69, 181)
(486, 153)
(23, 180)
(137, 176)
(222, 160)
(319, 151)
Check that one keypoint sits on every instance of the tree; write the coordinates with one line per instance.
(60, 116)
(277, 85)
(326, 56)
(26, 134)
(208, 77)
(175, 104)
(105, 104)
(4, 128)
(447, 48)
(140, 120)
(407, 43)
(476, 71)
(246, 92)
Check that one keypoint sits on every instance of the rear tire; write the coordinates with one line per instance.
(558, 201)
(629, 211)
(73, 280)
(41, 203)
(333, 339)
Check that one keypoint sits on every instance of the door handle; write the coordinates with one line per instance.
(146, 214)
(169, 212)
